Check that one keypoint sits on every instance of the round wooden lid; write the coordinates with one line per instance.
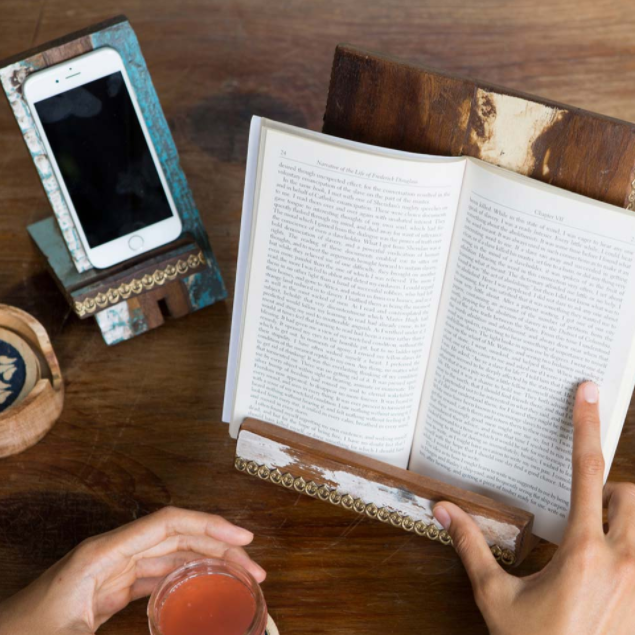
(19, 369)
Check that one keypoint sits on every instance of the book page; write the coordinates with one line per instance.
(540, 296)
(347, 255)
(251, 175)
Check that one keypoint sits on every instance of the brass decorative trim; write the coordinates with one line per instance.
(138, 286)
(383, 514)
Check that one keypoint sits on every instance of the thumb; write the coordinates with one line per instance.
(470, 544)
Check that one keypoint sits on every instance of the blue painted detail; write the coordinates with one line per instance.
(138, 322)
(201, 290)
(12, 374)
(119, 323)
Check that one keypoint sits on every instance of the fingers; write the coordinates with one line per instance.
(240, 556)
(147, 532)
(587, 462)
(140, 578)
(470, 544)
(143, 587)
(128, 562)
(150, 571)
(161, 566)
(619, 498)
(178, 552)
(204, 545)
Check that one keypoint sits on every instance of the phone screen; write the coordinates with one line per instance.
(102, 153)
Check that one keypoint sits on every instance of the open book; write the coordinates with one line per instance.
(435, 313)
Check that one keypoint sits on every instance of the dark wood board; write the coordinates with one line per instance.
(141, 422)
(381, 100)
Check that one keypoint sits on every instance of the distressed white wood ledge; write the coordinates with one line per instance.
(274, 455)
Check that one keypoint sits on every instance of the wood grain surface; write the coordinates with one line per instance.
(141, 422)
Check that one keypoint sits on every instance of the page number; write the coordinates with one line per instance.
(283, 153)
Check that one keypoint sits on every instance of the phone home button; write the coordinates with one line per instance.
(135, 243)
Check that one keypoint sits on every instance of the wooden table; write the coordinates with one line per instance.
(141, 425)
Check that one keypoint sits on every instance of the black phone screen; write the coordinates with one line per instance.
(102, 153)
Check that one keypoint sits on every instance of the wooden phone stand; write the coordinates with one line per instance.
(125, 299)
(377, 100)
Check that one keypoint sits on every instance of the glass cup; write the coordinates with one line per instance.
(207, 567)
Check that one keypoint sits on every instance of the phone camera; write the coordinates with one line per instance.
(57, 81)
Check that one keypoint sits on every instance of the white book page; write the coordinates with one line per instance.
(251, 173)
(348, 250)
(539, 296)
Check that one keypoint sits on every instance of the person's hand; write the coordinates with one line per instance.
(103, 574)
(589, 585)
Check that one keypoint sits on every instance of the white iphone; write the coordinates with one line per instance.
(100, 150)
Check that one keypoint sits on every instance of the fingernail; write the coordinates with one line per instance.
(243, 535)
(257, 571)
(591, 392)
(442, 516)
(243, 531)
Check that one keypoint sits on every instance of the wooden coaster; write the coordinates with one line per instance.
(19, 369)
(26, 421)
(271, 629)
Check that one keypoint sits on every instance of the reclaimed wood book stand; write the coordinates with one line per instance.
(378, 100)
(126, 299)
(375, 489)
